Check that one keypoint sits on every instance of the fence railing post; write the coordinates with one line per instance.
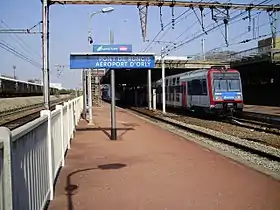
(68, 123)
(60, 108)
(5, 137)
(49, 143)
(72, 119)
(74, 112)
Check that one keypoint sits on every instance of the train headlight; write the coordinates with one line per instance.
(238, 97)
(218, 98)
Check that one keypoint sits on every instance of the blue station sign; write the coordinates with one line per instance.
(110, 61)
(112, 48)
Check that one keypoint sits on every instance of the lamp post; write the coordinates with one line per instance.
(90, 41)
(14, 67)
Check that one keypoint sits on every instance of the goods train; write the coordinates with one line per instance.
(216, 91)
(16, 88)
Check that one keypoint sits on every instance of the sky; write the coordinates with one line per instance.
(69, 26)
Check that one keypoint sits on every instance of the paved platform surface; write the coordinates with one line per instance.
(270, 110)
(149, 168)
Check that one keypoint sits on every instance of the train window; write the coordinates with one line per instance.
(233, 85)
(220, 85)
(190, 88)
(174, 81)
(177, 92)
(197, 87)
(178, 81)
(204, 87)
(159, 89)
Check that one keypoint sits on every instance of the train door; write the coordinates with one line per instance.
(184, 94)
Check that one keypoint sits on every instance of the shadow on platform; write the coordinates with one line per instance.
(105, 130)
(71, 188)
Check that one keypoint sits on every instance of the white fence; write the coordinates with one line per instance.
(31, 156)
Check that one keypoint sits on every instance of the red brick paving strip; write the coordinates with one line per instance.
(152, 169)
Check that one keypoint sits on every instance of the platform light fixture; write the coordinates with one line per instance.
(103, 10)
(107, 9)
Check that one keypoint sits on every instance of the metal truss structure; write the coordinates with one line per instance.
(216, 7)
(143, 13)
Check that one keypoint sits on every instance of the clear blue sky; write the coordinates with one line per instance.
(69, 26)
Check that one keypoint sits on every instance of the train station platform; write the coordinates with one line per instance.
(267, 110)
(153, 169)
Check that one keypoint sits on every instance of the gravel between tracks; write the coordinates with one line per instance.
(260, 163)
(226, 128)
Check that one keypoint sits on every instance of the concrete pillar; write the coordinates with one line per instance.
(90, 97)
(163, 84)
(154, 99)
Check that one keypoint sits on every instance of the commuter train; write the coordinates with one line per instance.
(17, 88)
(106, 93)
(216, 90)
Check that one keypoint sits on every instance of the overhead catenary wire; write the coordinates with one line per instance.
(162, 29)
(207, 28)
(27, 48)
(179, 45)
(188, 28)
(172, 23)
(12, 50)
(242, 13)
(237, 43)
(167, 30)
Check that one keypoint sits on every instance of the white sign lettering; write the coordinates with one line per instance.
(123, 62)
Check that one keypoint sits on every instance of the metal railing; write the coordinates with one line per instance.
(31, 156)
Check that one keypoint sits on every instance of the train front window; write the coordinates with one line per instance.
(233, 85)
(223, 85)
(220, 85)
(224, 82)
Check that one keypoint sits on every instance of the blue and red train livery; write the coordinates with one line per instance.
(215, 90)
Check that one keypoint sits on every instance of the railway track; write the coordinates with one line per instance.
(266, 151)
(254, 121)
(255, 125)
(18, 117)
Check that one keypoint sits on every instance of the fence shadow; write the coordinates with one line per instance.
(106, 130)
(71, 188)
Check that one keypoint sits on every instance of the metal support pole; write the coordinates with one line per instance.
(113, 107)
(154, 99)
(111, 36)
(163, 82)
(45, 53)
(84, 93)
(202, 46)
(89, 97)
(14, 67)
(150, 89)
